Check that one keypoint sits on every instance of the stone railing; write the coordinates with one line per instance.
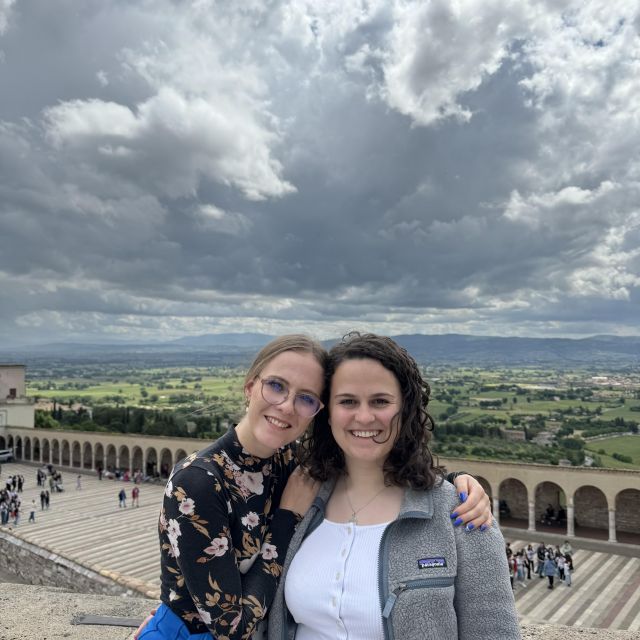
(28, 612)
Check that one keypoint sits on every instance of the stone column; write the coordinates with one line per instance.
(570, 521)
(532, 516)
(612, 525)
(496, 510)
(117, 459)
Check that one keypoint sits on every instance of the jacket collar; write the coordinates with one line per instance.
(415, 504)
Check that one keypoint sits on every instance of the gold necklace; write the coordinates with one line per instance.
(354, 512)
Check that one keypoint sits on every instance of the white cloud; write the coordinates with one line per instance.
(412, 166)
(5, 13)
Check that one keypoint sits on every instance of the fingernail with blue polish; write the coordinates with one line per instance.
(454, 515)
(470, 526)
(483, 527)
(458, 522)
(463, 496)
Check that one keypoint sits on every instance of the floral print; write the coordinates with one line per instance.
(222, 537)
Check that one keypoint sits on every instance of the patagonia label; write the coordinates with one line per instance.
(432, 563)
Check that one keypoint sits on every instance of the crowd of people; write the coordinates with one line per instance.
(543, 561)
(10, 501)
(47, 475)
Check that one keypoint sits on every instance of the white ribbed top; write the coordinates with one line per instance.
(332, 584)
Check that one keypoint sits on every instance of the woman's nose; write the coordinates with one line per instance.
(364, 415)
(287, 407)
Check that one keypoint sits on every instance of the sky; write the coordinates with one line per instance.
(183, 167)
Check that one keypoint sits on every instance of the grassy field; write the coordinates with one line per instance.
(627, 445)
(165, 392)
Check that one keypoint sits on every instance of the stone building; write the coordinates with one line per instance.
(16, 410)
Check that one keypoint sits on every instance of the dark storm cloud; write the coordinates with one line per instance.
(177, 169)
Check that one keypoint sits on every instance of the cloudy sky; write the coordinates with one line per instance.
(176, 167)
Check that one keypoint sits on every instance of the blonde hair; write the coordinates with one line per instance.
(290, 342)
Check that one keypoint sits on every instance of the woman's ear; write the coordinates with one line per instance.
(248, 388)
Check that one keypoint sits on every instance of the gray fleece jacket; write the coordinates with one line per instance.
(435, 581)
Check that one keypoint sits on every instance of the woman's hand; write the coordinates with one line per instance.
(474, 510)
(300, 492)
(145, 622)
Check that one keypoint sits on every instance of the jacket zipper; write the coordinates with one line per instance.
(422, 583)
(383, 592)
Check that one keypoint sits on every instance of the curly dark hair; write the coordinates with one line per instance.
(410, 463)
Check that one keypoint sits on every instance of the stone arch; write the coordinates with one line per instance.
(165, 463)
(180, 453)
(152, 462)
(136, 459)
(36, 452)
(553, 495)
(65, 454)
(627, 513)
(27, 448)
(55, 452)
(125, 462)
(18, 448)
(76, 455)
(87, 451)
(111, 461)
(46, 451)
(98, 458)
(513, 495)
(591, 512)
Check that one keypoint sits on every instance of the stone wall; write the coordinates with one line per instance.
(43, 612)
(591, 508)
(628, 511)
(515, 493)
(38, 566)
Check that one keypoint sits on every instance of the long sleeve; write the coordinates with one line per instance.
(230, 586)
(482, 587)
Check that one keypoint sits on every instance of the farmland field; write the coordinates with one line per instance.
(626, 445)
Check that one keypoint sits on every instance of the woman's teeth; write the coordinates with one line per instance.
(277, 423)
(365, 434)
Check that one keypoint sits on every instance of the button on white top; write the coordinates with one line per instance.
(331, 588)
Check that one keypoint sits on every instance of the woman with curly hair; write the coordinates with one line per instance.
(378, 540)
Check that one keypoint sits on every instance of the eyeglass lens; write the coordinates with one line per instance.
(276, 392)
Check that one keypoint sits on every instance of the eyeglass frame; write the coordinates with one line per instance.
(297, 395)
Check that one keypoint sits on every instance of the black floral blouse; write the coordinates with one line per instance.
(222, 543)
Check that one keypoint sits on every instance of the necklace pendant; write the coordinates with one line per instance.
(353, 519)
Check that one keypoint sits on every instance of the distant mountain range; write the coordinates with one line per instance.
(611, 352)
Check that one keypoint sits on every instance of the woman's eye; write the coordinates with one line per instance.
(380, 402)
(347, 402)
(276, 386)
(308, 400)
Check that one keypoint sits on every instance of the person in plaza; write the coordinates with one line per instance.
(520, 559)
(541, 553)
(79, 483)
(122, 498)
(43, 500)
(135, 495)
(47, 498)
(560, 563)
(378, 540)
(531, 555)
(567, 573)
(230, 510)
(549, 569)
(32, 511)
